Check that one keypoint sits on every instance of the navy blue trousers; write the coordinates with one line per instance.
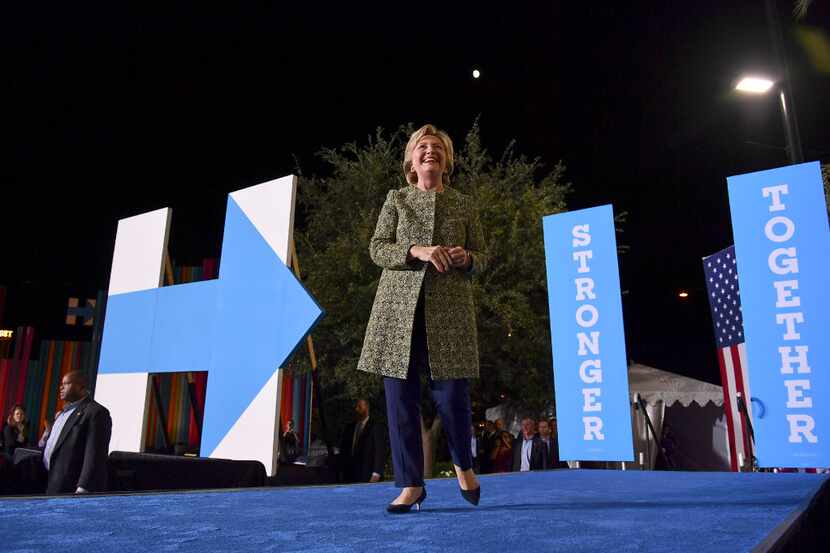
(403, 412)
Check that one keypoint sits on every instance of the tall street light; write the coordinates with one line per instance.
(762, 85)
(784, 87)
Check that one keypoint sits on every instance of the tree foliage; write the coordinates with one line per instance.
(337, 216)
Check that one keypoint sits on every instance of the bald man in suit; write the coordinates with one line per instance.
(75, 455)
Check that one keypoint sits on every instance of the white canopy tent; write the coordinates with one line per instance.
(654, 385)
(693, 409)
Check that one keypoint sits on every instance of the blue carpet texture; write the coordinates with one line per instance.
(582, 510)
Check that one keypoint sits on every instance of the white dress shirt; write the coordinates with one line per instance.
(57, 428)
(527, 449)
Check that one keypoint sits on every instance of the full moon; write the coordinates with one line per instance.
(476, 73)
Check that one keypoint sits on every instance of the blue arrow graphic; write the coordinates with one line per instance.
(240, 328)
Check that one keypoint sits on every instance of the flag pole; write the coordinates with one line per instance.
(749, 442)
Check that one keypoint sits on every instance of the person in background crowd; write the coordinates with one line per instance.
(547, 434)
(528, 450)
(16, 433)
(363, 447)
(289, 443)
(501, 457)
(488, 442)
(500, 426)
(668, 448)
(474, 441)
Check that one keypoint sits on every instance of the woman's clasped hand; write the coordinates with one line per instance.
(443, 258)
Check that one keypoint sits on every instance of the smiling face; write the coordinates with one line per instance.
(429, 158)
(18, 416)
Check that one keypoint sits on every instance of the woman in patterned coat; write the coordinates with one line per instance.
(429, 243)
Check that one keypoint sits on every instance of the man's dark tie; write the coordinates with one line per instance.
(357, 432)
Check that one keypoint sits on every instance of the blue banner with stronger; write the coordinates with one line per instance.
(589, 362)
(782, 243)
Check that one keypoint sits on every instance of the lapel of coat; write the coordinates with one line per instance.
(73, 420)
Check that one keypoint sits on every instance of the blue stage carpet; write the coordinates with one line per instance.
(588, 510)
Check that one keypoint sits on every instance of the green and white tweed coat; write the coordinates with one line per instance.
(411, 216)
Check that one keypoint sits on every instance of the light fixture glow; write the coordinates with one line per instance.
(754, 85)
(476, 73)
(683, 294)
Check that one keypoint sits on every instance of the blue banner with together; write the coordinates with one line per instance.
(589, 360)
(782, 244)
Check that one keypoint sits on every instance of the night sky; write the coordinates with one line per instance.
(110, 111)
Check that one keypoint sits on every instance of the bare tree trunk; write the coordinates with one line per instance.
(429, 437)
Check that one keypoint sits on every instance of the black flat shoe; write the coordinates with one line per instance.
(401, 508)
(472, 496)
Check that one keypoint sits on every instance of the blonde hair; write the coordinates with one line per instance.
(427, 130)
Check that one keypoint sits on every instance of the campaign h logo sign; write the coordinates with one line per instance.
(589, 361)
(239, 328)
(782, 244)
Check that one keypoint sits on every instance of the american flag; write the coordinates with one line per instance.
(721, 272)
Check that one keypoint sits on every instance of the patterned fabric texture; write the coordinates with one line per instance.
(409, 217)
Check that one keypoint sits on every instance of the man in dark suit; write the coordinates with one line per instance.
(528, 450)
(75, 455)
(547, 434)
(363, 447)
(488, 442)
